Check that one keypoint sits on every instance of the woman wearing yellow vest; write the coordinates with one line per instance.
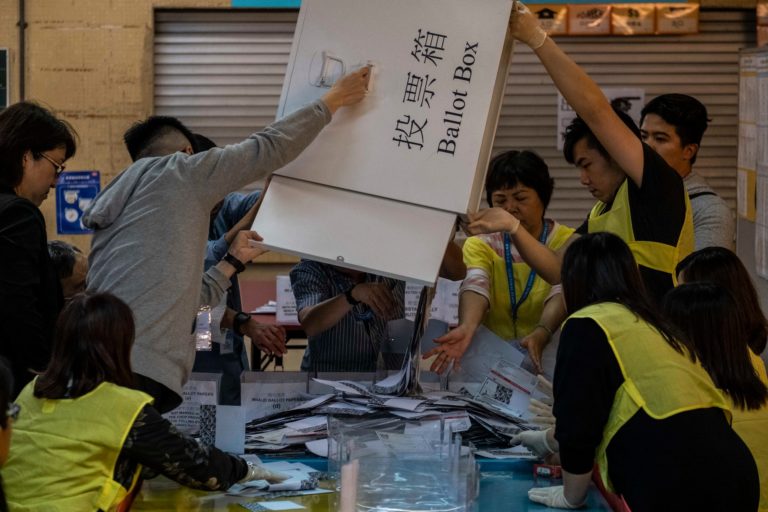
(628, 396)
(500, 290)
(640, 197)
(719, 314)
(84, 434)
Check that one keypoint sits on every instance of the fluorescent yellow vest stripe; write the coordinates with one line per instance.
(654, 255)
(752, 427)
(651, 368)
(64, 452)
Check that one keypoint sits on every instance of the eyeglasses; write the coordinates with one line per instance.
(60, 168)
(13, 411)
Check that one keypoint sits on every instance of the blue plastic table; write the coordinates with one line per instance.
(504, 487)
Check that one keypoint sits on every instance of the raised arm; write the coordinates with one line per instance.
(583, 94)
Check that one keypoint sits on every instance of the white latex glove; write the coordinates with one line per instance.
(551, 497)
(256, 472)
(534, 440)
(542, 413)
(525, 27)
(545, 385)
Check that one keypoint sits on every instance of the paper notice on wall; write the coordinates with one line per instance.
(629, 100)
(195, 393)
(286, 302)
(761, 223)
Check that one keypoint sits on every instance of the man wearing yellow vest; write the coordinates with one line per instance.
(640, 198)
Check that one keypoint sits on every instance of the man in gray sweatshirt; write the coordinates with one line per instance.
(151, 227)
(673, 125)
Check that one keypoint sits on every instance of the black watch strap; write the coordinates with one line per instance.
(241, 317)
(348, 294)
(239, 266)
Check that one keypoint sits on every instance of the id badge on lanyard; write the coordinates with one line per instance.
(514, 303)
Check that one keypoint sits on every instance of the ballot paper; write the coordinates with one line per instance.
(508, 387)
(261, 506)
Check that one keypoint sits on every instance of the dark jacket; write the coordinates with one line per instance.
(30, 291)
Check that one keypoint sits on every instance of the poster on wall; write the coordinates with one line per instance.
(75, 192)
(748, 142)
(629, 100)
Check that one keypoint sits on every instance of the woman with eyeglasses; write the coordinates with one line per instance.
(86, 433)
(34, 144)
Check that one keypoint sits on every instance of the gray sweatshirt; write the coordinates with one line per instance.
(151, 227)
(713, 222)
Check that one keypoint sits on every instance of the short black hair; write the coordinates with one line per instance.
(27, 126)
(63, 256)
(687, 114)
(526, 167)
(141, 136)
(202, 143)
(578, 130)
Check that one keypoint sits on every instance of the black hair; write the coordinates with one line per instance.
(6, 390)
(714, 329)
(722, 266)
(142, 137)
(63, 257)
(92, 344)
(578, 130)
(27, 126)
(687, 114)
(202, 143)
(526, 167)
(599, 267)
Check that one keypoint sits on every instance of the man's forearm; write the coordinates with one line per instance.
(321, 317)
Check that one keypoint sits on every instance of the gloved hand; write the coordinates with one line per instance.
(534, 440)
(256, 472)
(524, 27)
(551, 497)
(543, 413)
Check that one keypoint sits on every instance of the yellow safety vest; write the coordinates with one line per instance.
(651, 368)
(752, 428)
(64, 452)
(478, 253)
(653, 255)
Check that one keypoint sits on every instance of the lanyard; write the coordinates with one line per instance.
(511, 275)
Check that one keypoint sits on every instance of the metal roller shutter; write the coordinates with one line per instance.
(221, 72)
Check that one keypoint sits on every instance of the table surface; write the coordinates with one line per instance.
(504, 486)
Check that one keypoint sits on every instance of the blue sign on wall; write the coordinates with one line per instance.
(75, 192)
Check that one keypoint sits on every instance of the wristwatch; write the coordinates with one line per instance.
(241, 317)
(348, 294)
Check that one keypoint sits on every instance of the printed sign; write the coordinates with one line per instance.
(633, 19)
(286, 303)
(552, 17)
(75, 191)
(196, 393)
(677, 18)
(629, 100)
(589, 20)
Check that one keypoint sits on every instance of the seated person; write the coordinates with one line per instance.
(500, 290)
(344, 313)
(629, 397)
(85, 432)
(71, 266)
